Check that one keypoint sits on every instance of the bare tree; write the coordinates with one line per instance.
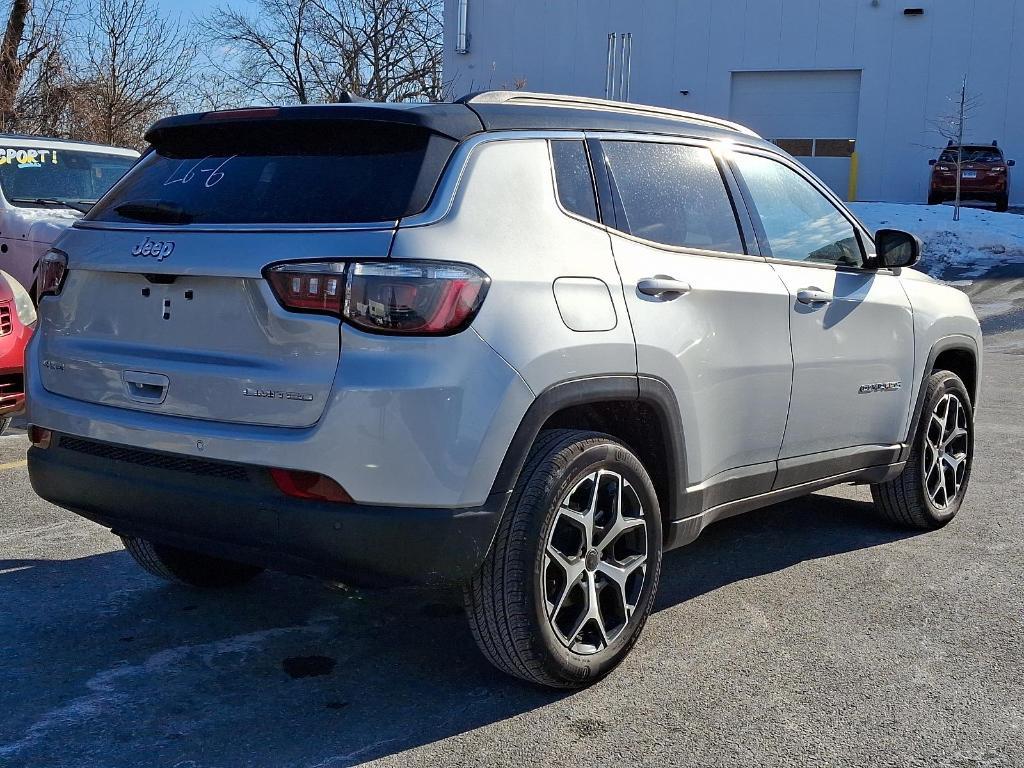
(390, 50)
(29, 36)
(952, 126)
(133, 64)
(266, 53)
(310, 51)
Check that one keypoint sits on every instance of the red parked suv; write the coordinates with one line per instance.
(17, 322)
(984, 175)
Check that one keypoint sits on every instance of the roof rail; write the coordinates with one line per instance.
(583, 102)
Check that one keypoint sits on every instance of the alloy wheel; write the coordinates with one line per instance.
(595, 562)
(946, 452)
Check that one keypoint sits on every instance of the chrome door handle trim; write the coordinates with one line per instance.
(659, 287)
(813, 296)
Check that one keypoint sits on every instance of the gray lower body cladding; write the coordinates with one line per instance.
(236, 512)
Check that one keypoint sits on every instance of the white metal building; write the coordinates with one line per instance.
(824, 78)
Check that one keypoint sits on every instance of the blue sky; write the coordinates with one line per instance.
(189, 8)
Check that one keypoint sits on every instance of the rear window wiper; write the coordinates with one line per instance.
(155, 211)
(52, 202)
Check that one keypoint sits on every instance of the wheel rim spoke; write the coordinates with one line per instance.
(946, 451)
(595, 559)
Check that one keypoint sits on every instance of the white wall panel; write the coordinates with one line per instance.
(909, 65)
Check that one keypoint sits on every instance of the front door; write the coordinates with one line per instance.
(852, 326)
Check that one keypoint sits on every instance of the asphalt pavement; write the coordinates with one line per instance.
(805, 634)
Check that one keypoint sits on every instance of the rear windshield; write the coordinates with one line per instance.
(281, 173)
(41, 177)
(973, 155)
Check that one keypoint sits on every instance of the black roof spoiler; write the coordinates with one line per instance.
(454, 121)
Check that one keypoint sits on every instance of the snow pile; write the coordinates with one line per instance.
(982, 244)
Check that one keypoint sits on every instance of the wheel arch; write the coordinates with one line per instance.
(958, 354)
(640, 411)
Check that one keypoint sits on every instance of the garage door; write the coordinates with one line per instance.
(811, 114)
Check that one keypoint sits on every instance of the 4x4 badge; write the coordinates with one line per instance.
(157, 249)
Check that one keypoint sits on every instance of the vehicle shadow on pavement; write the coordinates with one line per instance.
(104, 665)
(771, 539)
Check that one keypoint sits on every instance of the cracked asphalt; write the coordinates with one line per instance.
(805, 634)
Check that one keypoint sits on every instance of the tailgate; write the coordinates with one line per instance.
(185, 338)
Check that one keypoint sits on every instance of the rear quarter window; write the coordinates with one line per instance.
(282, 173)
(574, 181)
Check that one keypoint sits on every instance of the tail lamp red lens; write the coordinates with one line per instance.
(395, 297)
(309, 485)
(53, 269)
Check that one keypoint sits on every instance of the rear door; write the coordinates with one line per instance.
(709, 318)
(165, 307)
(852, 326)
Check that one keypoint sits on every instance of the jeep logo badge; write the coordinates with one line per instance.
(158, 249)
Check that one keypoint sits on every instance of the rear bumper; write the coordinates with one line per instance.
(968, 187)
(235, 511)
(411, 422)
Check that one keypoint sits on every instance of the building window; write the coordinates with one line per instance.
(817, 147)
(796, 147)
(834, 147)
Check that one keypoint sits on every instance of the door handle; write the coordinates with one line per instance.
(662, 287)
(813, 296)
(145, 387)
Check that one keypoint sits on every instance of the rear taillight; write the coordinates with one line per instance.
(313, 287)
(396, 297)
(53, 269)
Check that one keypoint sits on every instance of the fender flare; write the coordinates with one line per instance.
(956, 341)
(650, 391)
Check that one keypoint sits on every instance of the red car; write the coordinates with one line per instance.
(17, 322)
(984, 175)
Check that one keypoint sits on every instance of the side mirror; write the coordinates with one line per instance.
(932, 161)
(896, 248)
(1011, 163)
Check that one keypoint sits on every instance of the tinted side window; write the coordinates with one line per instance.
(800, 222)
(573, 180)
(672, 194)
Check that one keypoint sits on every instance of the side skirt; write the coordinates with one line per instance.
(683, 532)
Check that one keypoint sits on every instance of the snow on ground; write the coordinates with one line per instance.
(983, 243)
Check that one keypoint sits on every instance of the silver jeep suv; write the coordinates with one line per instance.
(521, 343)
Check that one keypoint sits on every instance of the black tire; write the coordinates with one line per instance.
(1002, 203)
(506, 601)
(908, 500)
(191, 568)
(934, 199)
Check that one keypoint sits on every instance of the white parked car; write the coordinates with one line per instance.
(45, 186)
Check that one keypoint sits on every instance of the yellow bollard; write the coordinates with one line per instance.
(851, 190)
